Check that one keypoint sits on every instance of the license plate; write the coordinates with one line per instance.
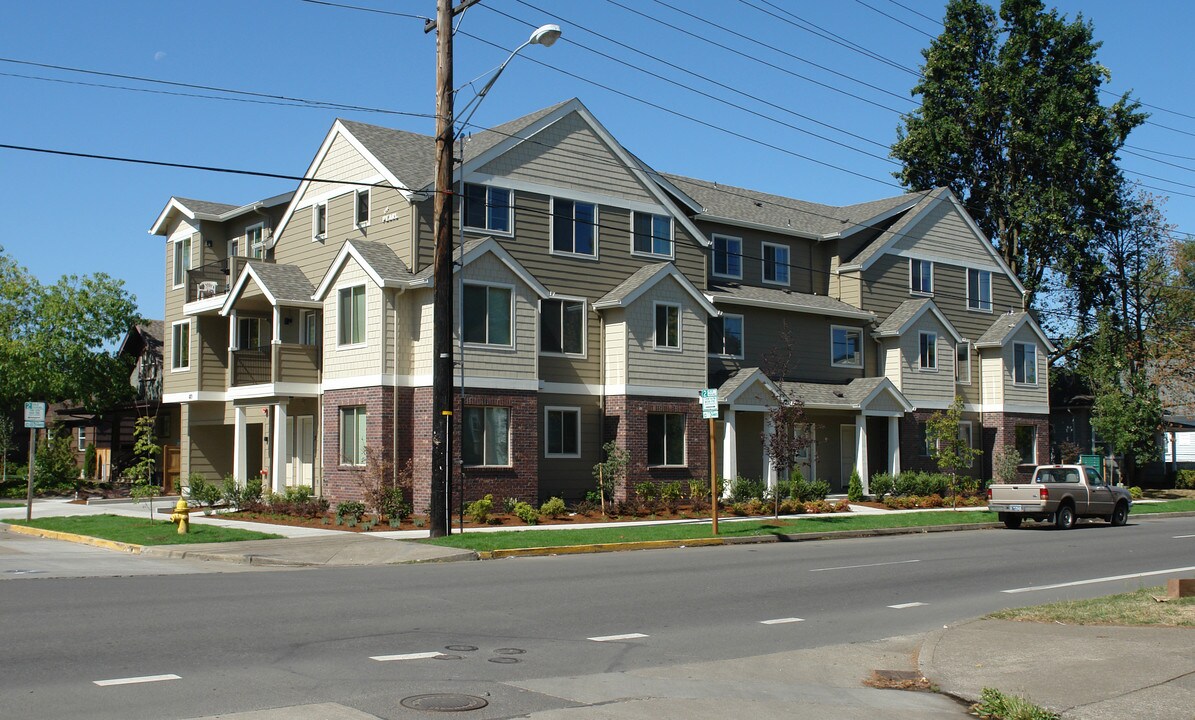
(1014, 508)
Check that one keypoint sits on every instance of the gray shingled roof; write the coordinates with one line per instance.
(998, 333)
(382, 259)
(783, 213)
(729, 293)
(631, 284)
(284, 282)
(896, 229)
(846, 397)
(904, 312)
(205, 207)
(735, 381)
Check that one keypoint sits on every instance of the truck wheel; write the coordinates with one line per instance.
(1012, 522)
(1064, 519)
(1120, 515)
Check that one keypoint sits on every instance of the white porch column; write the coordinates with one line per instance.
(730, 463)
(240, 461)
(769, 468)
(861, 450)
(894, 445)
(281, 451)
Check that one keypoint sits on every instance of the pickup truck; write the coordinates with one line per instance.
(1060, 494)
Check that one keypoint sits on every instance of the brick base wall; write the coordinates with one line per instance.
(347, 482)
(1001, 428)
(626, 425)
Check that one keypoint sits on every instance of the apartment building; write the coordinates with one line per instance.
(595, 298)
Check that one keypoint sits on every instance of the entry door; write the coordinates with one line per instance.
(846, 454)
(301, 431)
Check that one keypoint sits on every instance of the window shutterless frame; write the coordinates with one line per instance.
(846, 346)
(775, 264)
(962, 363)
(928, 351)
(361, 207)
(979, 290)
(921, 277)
(573, 229)
(667, 335)
(487, 315)
(319, 220)
(350, 316)
(563, 325)
(726, 337)
(183, 248)
(728, 257)
(651, 235)
(180, 346)
(562, 432)
(488, 208)
(1024, 363)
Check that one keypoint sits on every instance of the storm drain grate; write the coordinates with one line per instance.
(504, 660)
(444, 702)
(461, 648)
(509, 651)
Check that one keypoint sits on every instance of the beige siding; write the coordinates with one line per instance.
(516, 362)
(758, 395)
(893, 366)
(353, 361)
(928, 386)
(614, 346)
(1021, 395)
(421, 313)
(992, 366)
(666, 368)
(849, 289)
(795, 345)
(184, 381)
(342, 162)
(885, 402)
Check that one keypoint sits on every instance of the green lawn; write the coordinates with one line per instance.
(556, 538)
(140, 531)
(1170, 506)
(10, 504)
(1133, 608)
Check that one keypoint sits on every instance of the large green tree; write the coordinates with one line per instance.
(58, 340)
(1011, 121)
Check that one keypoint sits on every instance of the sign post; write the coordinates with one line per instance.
(709, 411)
(35, 419)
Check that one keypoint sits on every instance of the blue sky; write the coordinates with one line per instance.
(70, 215)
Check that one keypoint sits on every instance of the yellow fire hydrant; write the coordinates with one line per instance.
(181, 516)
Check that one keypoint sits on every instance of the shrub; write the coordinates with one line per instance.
(743, 489)
(479, 510)
(789, 506)
(881, 485)
(699, 489)
(995, 704)
(754, 506)
(1185, 480)
(54, 470)
(526, 512)
(854, 491)
(842, 506)
(553, 508)
(647, 491)
(89, 461)
(203, 492)
(390, 503)
(1005, 462)
(671, 492)
(738, 508)
(295, 501)
(809, 491)
(818, 506)
(508, 505)
(350, 510)
(586, 507)
(1136, 493)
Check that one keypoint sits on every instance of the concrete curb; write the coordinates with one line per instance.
(180, 553)
(81, 539)
(925, 662)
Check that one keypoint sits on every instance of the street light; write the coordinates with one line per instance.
(446, 135)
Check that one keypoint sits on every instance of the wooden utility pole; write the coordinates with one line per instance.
(713, 476)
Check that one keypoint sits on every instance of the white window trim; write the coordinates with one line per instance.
(317, 236)
(173, 350)
(174, 257)
(548, 410)
(742, 338)
(763, 264)
(849, 329)
(671, 237)
(957, 381)
(584, 327)
(991, 303)
(513, 320)
(249, 245)
(713, 253)
(921, 293)
(304, 338)
(81, 438)
(680, 324)
(509, 428)
(232, 247)
(1023, 383)
(597, 222)
(365, 325)
(970, 437)
(684, 446)
(936, 365)
(368, 206)
(340, 450)
(510, 212)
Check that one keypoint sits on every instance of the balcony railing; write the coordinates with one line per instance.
(215, 278)
(286, 362)
(251, 367)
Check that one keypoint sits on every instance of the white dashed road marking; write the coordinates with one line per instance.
(608, 638)
(781, 621)
(1180, 537)
(135, 680)
(1092, 581)
(902, 606)
(408, 656)
(852, 567)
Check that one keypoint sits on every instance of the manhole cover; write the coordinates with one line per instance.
(461, 648)
(504, 660)
(442, 656)
(509, 651)
(444, 702)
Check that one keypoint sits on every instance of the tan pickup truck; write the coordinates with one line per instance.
(1060, 494)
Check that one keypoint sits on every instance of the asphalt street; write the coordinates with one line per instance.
(204, 644)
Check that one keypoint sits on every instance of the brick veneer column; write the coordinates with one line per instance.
(347, 482)
(1005, 426)
(626, 424)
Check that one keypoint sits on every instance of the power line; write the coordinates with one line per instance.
(369, 9)
(894, 19)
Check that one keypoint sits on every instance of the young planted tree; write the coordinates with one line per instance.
(951, 448)
(611, 472)
(7, 445)
(145, 458)
(788, 441)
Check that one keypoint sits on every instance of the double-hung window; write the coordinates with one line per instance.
(667, 326)
(352, 435)
(485, 436)
(846, 347)
(487, 314)
(562, 432)
(726, 336)
(249, 333)
(487, 208)
(309, 327)
(350, 315)
(928, 351)
(361, 209)
(82, 443)
(182, 259)
(562, 326)
(1026, 439)
(651, 234)
(921, 276)
(728, 257)
(255, 242)
(180, 345)
(962, 363)
(1024, 363)
(665, 439)
(775, 264)
(319, 221)
(574, 227)
(979, 290)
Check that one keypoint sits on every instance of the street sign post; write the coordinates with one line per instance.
(709, 411)
(35, 419)
(35, 415)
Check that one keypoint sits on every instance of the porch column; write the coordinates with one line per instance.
(233, 339)
(275, 345)
(730, 464)
(240, 461)
(861, 450)
(769, 468)
(894, 445)
(281, 451)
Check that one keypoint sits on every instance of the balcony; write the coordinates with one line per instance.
(290, 363)
(208, 284)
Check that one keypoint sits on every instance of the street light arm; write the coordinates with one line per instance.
(544, 35)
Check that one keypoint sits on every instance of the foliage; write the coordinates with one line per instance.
(553, 508)
(479, 510)
(238, 497)
(1069, 452)
(526, 512)
(881, 484)
(995, 705)
(1185, 480)
(7, 442)
(384, 489)
(89, 461)
(295, 501)
(1172, 332)
(743, 489)
(391, 504)
(351, 511)
(790, 437)
(671, 492)
(611, 472)
(951, 448)
(508, 505)
(55, 470)
(1005, 463)
(145, 456)
(699, 489)
(121, 528)
(1136, 492)
(203, 492)
(647, 491)
(854, 490)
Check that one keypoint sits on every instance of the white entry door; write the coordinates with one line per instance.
(846, 454)
(301, 431)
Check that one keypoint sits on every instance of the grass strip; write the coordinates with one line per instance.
(140, 531)
(1132, 608)
(742, 528)
(1169, 506)
(11, 505)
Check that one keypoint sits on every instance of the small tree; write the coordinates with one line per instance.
(1005, 461)
(55, 470)
(145, 456)
(788, 441)
(6, 445)
(951, 449)
(89, 461)
(610, 472)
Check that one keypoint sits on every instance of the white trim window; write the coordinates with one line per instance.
(82, 439)
(319, 221)
(485, 436)
(921, 277)
(667, 327)
(665, 439)
(180, 346)
(775, 264)
(927, 351)
(182, 258)
(726, 336)
(309, 333)
(353, 421)
(350, 316)
(249, 333)
(255, 241)
(562, 432)
(487, 208)
(488, 314)
(562, 327)
(962, 363)
(574, 227)
(651, 234)
(979, 290)
(361, 207)
(846, 346)
(1024, 363)
(728, 257)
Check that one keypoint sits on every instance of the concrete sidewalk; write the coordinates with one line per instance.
(342, 550)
